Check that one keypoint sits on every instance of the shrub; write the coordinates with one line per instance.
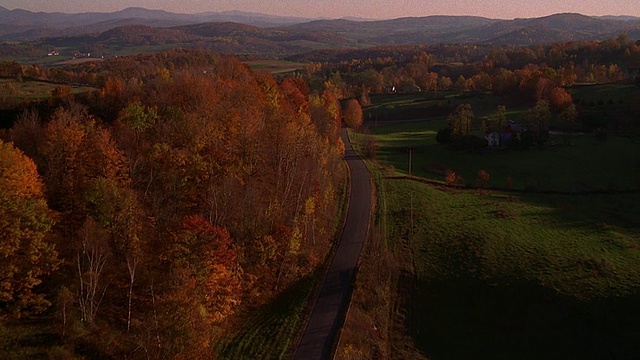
(454, 179)
(483, 178)
(370, 147)
(593, 121)
(451, 177)
(601, 134)
(444, 136)
(521, 141)
(470, 142)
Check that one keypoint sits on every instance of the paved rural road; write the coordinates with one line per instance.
(332, 301)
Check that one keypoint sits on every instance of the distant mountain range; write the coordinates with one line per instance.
(466, 29)
(250, 33)
(26, 25)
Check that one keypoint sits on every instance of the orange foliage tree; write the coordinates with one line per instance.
(207, 252)
(353, 114)
(203, 287)
(25, 254)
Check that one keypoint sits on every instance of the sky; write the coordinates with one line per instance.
(371, 9)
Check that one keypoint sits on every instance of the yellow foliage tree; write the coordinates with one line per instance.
(25, 255)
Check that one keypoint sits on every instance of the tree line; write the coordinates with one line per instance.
(464, 67)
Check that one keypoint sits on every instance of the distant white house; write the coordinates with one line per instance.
(512, 131)
(493, 140)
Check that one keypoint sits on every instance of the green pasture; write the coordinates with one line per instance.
(33, 90)
(128, 50)
(387, 108)
(501, 276)
(506, 275)
(580, 163)
(609, 94)
(275, 66)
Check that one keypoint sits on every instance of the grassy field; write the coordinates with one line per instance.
(275, 66)
(586, 165)
(489, 274)
(33, 90)
(503, 277)
(390, 108)
(610, 94)
(79, 61)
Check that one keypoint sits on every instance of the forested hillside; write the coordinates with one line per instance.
(143, 219)
(28, 38)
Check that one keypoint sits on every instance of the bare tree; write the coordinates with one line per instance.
(91, 259)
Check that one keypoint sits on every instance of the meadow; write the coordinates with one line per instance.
(585, 164)
(275, 67)
(27, 90)
(503, 276)
(498, 273)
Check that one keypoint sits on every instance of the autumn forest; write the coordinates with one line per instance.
(159, 207)
(151, 203)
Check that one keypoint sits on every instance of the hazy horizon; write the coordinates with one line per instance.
(369, 9)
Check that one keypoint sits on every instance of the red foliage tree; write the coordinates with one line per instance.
(207, 254)
(559, 99)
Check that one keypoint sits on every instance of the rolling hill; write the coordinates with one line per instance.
(25, 25)
(243, 33)
(467, 29)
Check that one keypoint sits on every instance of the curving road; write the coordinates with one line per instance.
(333, 299)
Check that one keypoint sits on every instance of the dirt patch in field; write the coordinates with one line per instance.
(78, 61)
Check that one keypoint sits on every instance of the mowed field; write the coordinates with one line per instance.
(586, 165)
(503, 276)
(551, 273)
(33, 90)
(275, 66)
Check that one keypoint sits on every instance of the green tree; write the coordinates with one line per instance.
(538, 117)
(25, 254)
(460, 121)
(496, 121)
(138, 117)
(567, 118)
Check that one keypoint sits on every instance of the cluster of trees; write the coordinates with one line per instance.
(503, 70)
(130, 69)
(164, 206)
(534, 124)
(435, 68)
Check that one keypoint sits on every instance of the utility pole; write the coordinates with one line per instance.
(410, 153)
(411, 214)
(410, 195)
